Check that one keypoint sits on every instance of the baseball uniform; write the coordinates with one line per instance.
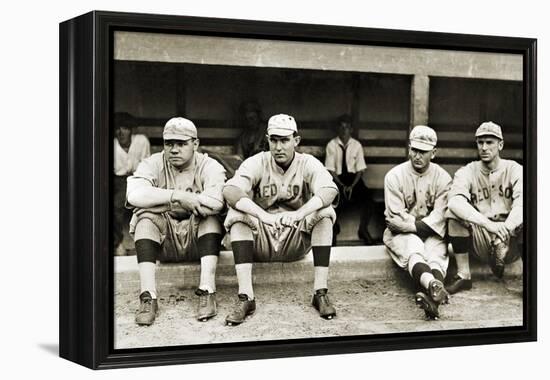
(498, 195)
(178, 227)
(276, 190)
(419, 196)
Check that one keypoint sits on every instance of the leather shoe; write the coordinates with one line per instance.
(244, 307)
(321, 302)
(437, 291)
(148, 309)
(430, 307)
(207, 307)
(458, 284)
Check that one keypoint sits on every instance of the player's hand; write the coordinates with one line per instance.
(499, 229)
(269, 219)
(288, 219)
(189, 201)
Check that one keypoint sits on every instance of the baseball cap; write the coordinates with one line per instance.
(423, 137)
(179, 128)
(281, 125)
(489, 129)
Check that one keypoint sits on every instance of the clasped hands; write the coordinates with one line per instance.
(283, 219)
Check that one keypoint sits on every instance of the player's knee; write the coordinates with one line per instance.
(457, 229)
(326, 214)
(321, 233)
(413, 244)
(210, 224)
(147, 229)
(241, 231)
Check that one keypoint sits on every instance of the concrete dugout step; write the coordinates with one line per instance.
(347, 263)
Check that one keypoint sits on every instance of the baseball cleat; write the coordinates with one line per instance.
(148, 309)
(496, 259)
(430, 307)
(458, 284)
(437, 292)
(207, 307)
(244, 307)
(321, 302)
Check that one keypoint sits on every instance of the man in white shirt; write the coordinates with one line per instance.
(346, 163)
(129, 150)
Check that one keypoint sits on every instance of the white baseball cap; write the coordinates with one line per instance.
(281, 125)
(489, 129)
(423, 138)
(179, 128)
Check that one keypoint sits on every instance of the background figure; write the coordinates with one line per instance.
(129, 150)
(346, 163)
(177, 195)
(486, 209)
(415, 193)
(252, 140)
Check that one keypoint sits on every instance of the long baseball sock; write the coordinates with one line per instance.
(321, 260)
(209, 250)
(244, 277)
(147, 252)
(420, 271)
(460, 247)
(147, 278)
(208, 273)
(463, 265)
(438, 274)
(321, 241)
(243, 255)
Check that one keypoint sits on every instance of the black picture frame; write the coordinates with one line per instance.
(86, 267)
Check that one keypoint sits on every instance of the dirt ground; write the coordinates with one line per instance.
(284, 312)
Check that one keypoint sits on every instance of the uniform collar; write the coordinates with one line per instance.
(280, 169)
(428, 171)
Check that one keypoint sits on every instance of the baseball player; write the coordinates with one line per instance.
(415, 194)
(280, 205)
(176, 195)
(486, 209)
(129, 150)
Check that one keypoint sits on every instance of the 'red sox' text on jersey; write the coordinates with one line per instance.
(271, 187)
(494, 193)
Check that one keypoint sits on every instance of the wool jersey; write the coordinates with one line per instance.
(421, 195)
(271, 187)
(494, 193)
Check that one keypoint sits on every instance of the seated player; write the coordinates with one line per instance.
(486, 209)
(280, 206)
(177, 196)
(416, 199)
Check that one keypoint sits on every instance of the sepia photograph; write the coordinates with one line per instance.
(271, 189)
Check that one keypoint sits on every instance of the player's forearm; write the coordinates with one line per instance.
(248, 206)
(314, 204)
(514, 219)
(148, 197)
(465, 211)
(210, 202)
